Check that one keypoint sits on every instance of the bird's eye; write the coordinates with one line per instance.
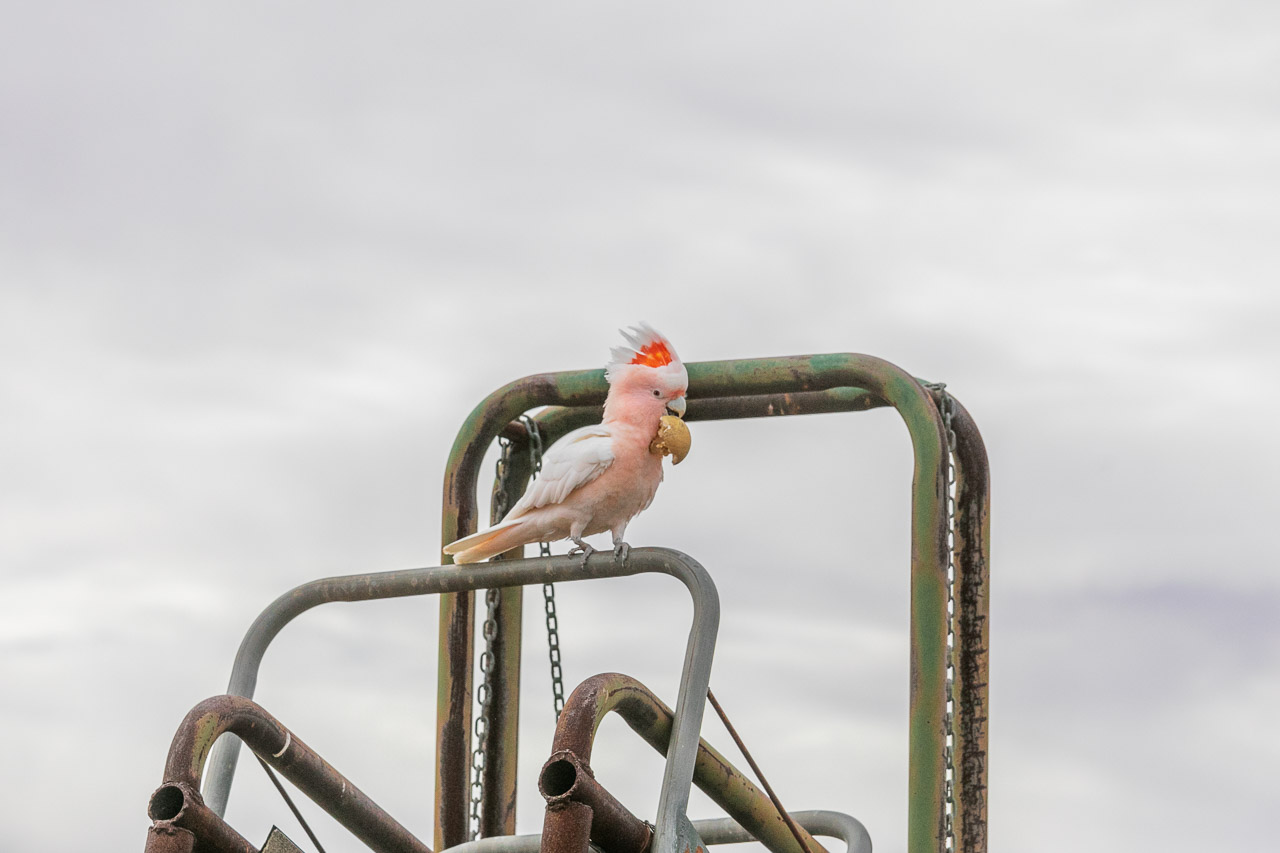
(657, 393)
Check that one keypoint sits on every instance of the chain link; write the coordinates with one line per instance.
(947, 410)
(489, 631)
(548, 590)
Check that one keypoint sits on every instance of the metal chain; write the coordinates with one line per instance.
(484, 693)
(947, 410)
(548, 590)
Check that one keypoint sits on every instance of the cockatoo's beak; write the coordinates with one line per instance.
(676, 407)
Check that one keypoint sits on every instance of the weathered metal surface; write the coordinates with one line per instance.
(566, 828)
(610, 692)
(866, 381)
(278, 842)
(565, 778)
(286, 753)
(162, 838)
(178, 805)
(516, 573)
(973, 632)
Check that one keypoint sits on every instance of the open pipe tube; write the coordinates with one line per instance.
(565, 778)
(694, 679)
(723, 379)
(178, 806)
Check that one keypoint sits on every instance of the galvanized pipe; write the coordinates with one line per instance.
(695, 676)
(752, 378)
(718, 830)
(296, 761)
(817, 822)
(565, 778)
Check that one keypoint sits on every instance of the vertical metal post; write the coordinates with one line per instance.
(457, 611)
(973, 637)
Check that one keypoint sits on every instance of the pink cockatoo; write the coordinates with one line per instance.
(597, 478)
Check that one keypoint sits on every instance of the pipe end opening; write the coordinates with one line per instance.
(166, 803)
(557, 778)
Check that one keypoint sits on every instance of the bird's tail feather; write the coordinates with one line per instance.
(488, 542)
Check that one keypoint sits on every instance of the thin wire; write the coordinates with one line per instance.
(768, 789)
(289, 800)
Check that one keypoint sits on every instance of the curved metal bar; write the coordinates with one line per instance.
(296, 761)
(719, 830)
(648, 717)
(817, 822)
(750, 378)
(694, 678)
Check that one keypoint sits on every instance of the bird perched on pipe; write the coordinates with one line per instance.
(598, 478)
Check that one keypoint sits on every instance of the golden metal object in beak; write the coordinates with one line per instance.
(672, 440)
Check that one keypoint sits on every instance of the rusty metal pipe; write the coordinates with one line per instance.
(177, 805)
(566, 828)
(973, 631)
(296, 761)
(650, 718)
(614, 828)
(167, 838)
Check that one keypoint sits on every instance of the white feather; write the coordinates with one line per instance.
(572, 462)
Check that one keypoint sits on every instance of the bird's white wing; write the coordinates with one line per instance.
(573, 461)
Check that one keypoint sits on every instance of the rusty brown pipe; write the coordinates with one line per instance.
(650, 718)
(566, 828)
(276, 745)
(565, 778)
(177, 810)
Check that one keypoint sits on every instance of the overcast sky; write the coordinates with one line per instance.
(259, 261)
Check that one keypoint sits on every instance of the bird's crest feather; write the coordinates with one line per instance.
(646, 348)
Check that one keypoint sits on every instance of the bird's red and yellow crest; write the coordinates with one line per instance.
(646, 348)
(654, 354)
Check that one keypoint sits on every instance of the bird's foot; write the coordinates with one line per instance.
(621, 551)
(581, 548)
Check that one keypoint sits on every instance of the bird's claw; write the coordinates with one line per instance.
(581, 548)
(621, 551)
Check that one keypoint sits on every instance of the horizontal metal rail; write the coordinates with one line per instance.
(719, 830)
(695, 677)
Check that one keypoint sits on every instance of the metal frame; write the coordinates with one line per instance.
(694, 678)
(718, 390)
(738, 389)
